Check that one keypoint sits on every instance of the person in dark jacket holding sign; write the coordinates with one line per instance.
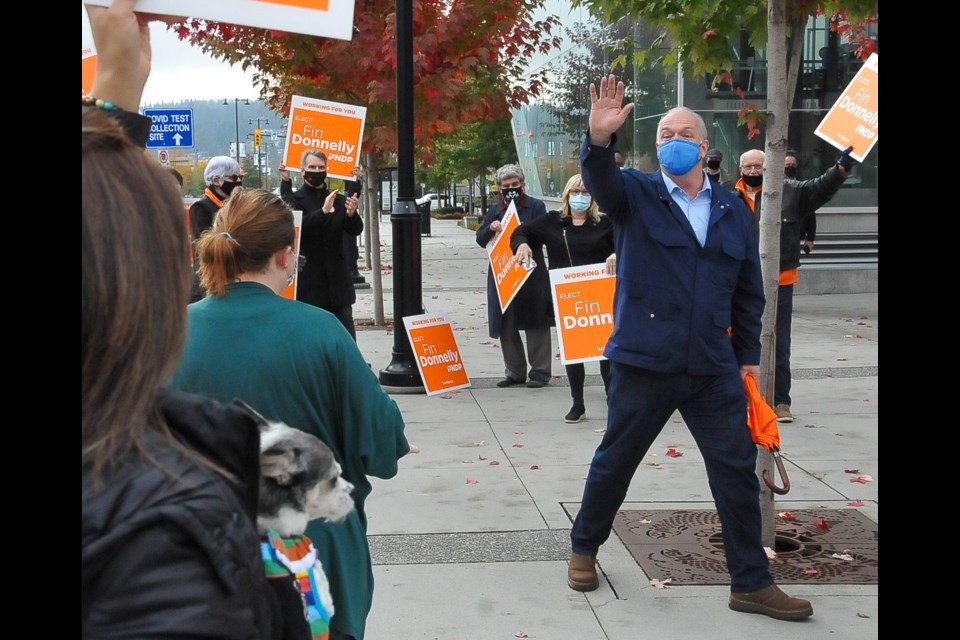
(531, 310)
(325, 280)
(801, 199)
(576, 235)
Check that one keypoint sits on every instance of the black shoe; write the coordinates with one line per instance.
(533, 383)
(577, 412)
(509, 382)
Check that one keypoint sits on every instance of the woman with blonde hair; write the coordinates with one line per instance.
(576, 235)
(297, 364)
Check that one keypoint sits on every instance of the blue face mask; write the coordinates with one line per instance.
(677, 157)
(580, 202)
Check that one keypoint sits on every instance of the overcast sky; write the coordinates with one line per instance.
(182, 72)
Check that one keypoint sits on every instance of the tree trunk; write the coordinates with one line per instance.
(373, 245)
(795, 56)
(778, 117)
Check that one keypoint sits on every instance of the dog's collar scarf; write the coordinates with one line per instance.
(297, 555)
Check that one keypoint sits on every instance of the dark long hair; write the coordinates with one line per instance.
(135, 284)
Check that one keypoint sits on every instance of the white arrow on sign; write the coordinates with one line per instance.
(177, 138)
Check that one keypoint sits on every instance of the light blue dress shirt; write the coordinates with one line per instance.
(696, 210)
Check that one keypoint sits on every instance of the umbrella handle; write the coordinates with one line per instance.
(777, 460)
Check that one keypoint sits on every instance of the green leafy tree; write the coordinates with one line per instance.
(473, 150)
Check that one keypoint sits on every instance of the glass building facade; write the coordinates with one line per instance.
(549, 131)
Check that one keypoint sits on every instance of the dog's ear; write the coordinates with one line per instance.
(279, 464)
(262, 422)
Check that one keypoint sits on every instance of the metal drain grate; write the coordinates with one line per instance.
(687, 546)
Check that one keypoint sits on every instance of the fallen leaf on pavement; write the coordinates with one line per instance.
(841, 359)
(846, 557)
(771, 554)
(494, 463)
(534, 466)
(467, 461)
(862, 615)
(851, 470)
(520, 634)
(481, 458)
(655, 465)
(646, 521)
(600, 430)
(855, 503)
(811, 572)
(673, 453)
(481, 443)
(470, 481)
(661, 584)
(518, 446)
(446, 396)
(862, 479)
(822, 524)
(786, 515)
(519, 433)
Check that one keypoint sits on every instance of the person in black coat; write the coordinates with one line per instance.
(531, 310)
(169, 481)
(798, 206)
(222, 175)
(326, 280)
(574, 236)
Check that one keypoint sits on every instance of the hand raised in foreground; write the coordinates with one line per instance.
(607, 113)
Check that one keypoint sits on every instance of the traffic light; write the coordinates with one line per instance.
(257, 137)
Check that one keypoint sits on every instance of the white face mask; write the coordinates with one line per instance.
(580, 202)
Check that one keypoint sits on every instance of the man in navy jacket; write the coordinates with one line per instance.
(688, 304)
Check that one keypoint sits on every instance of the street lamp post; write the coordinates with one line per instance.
(236, 116)
(257, 139)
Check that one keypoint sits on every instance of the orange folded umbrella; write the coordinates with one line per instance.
(762, 421)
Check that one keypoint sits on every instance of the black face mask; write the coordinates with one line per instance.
(511, 193)
(713, 164)
(790, 172)
(753, 181)
(315, 178)
(228, 187)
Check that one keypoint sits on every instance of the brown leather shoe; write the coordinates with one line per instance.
(772, 602)
(582, 573)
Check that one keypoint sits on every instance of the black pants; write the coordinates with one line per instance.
(576, 374)
(345, 316)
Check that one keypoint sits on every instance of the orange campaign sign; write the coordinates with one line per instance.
(854, 120)
(88, 54)
(508, 274)
(583, 306)
(438, 356)
(291, 291)
(331, 127)
(326, 18)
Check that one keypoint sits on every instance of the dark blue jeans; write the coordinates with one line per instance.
(781, 383)
(715, 410)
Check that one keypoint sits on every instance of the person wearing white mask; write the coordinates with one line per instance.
(576, 235)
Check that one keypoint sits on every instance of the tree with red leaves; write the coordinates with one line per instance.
(469, 61)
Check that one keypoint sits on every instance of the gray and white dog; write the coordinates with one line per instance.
(300, 481)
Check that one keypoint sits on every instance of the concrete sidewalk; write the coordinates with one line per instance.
(459, 560)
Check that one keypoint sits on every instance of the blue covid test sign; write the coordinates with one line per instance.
(170, 128)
